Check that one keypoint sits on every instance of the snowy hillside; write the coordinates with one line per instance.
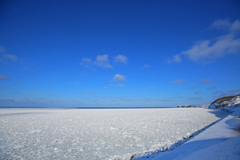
(229, 102)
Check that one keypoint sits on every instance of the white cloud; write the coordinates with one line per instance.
(206, 81)
(212, 87)
(235, 26)
(10, 57)
(208, 51)
(120, 85)
(193, 86)
(119, 77)
(86, 62)
(6, 58)
(177, 59)
(225, 24)
(178, 81)
(106, 87)
(90, 92)
(235, 90)
(197, 92)
(219, 94)
(102, 61)
(121, 59)
(76, 82)
(4, 77)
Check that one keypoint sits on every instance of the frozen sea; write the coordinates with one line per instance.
(96, 134)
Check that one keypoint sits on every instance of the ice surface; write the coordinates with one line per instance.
(96, 134)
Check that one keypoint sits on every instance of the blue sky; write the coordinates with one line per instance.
(118, 53)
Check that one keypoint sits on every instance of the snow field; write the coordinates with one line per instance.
(96, 134)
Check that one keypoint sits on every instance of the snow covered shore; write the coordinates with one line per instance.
(97, 134)
(221, 141)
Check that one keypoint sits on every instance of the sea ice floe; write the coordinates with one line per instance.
(96, 134)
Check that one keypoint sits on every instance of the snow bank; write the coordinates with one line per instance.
(219, 142)
(225, 150)
(215, 143)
